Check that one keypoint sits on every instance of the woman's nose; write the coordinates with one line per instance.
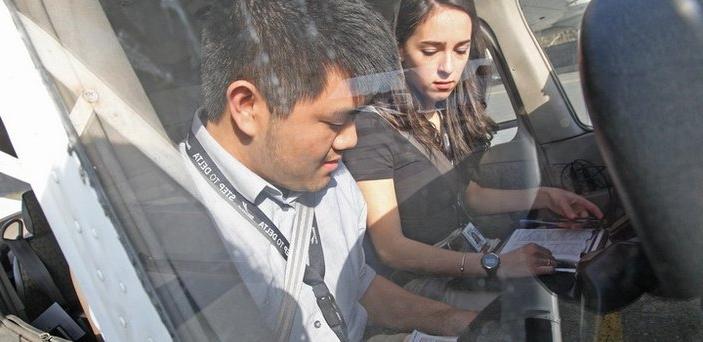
(446, 65)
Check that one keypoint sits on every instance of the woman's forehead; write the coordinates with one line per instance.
(444, 24)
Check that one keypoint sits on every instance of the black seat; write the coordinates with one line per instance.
(44, 244)
(642, 73)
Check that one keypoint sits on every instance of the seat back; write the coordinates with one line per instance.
(642, 74)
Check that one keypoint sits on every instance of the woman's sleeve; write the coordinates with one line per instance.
(372, 158)
(471, 166)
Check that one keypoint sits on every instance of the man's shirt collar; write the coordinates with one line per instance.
(249, 184)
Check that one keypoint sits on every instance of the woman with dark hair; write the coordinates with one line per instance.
(415, 160)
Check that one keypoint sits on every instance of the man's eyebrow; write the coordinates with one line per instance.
(343, 112)
(463, 42)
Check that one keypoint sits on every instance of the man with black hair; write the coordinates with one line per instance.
(265, 153)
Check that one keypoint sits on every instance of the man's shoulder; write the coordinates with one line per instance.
(345, 185)
(344, 180)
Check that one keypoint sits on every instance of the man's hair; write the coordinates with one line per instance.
(286, 48)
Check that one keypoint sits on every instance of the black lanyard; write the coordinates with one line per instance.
(314, 273)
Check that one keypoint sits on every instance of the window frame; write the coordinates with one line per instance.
(506, 77)
(82, 222)
(555, 77)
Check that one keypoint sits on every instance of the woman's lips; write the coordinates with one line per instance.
(444, 86)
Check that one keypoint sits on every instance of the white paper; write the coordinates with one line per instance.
(565, 244)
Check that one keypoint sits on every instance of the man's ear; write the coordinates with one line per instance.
(245, 105)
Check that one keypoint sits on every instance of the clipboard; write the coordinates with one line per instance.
(567, 245)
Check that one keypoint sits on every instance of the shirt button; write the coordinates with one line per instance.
(317, 324)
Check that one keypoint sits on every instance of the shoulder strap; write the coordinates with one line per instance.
(295, 269)
(438, 159)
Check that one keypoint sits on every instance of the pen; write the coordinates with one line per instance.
(525, 222)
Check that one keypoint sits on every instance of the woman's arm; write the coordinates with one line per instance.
(492, 201)
(391, 306)
(400, 252)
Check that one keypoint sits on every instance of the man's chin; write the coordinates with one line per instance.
(319, 185)
(311, 186)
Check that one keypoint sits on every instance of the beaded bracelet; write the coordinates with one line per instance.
(463, 263)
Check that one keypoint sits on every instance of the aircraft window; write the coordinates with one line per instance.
(9, 186)
(15, 230)
(556, 26)
(498, 105)
(499, 102)
(129, 78)
(5, 144)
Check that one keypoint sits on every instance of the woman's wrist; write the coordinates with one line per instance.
(461, 266)
(543, 198)
(473, 266)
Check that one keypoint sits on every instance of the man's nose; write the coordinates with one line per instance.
(346, 138)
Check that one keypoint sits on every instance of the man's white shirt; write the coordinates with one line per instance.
(341, 217)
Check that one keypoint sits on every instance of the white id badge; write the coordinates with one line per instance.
(474, 237)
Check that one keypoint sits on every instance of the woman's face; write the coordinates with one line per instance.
(437, 52)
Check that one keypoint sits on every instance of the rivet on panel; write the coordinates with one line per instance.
(84, 177)
(90, 95)
(78, 227)
(94, 232)
(101, 276)
(123, 322)
(123, 287)
(55, 176)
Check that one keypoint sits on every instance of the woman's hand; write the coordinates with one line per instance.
(566, 203)
(526, 261)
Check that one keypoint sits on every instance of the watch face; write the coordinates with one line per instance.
(490, 261)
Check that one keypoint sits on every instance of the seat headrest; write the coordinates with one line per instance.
(642, 74)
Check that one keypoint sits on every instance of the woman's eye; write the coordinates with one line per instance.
(462, 49)
(429, 52)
